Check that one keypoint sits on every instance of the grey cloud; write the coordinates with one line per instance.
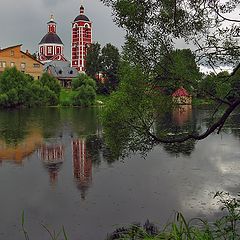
(26, 22)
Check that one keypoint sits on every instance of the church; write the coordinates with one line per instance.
(51, 47)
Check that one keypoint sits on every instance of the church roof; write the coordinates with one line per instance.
(51, 38)
(81, 17)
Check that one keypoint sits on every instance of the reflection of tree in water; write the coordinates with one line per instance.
(180, 122)
(185, 148)
(47, 119)
(98, 150)
(16, 122)
(52, 157)
(233, 124)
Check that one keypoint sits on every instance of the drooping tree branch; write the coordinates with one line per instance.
(217, 125)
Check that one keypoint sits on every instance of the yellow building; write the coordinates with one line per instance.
(23, 61)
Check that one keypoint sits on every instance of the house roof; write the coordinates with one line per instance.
(181, 92)
(26, 54)
(29, 55)
(4, 49)
(61, 69)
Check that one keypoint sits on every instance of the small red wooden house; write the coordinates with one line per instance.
(181, 96)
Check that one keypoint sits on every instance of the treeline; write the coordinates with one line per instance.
(18, 89)
(102, 65)
(21, 90)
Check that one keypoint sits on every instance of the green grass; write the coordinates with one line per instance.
(66, 98)
(102, 98)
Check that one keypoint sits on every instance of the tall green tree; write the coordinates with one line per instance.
(177, 68)
(93, 60)
(51, 82)
(110, 64)
(85, 88)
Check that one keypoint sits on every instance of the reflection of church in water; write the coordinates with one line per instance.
(52, 156)
(82, 165)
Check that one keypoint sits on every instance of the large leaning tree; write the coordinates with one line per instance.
(153, 27)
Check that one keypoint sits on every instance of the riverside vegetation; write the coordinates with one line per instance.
(21, 90)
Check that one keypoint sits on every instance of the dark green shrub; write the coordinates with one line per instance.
(51, 82)
(83, 80)
(85, 96)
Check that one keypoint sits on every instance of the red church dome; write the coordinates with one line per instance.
(51, 45)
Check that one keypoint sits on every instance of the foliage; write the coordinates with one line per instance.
(134, 104)
(14, 88)
(93, 60)
(85, 96)
(110, 63)
(83, 80)
(51, 82)
(18, 89)
(152, 29)
(85, 91)
(177, 68)
(103, 62)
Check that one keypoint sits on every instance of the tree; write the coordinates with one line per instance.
(176, 69)
(14, 87)
(110, 63)
(103, 62)
(19, 89)
(85, 88)
(51, 82)
(93, 60)
(83, 80)
(152, 27)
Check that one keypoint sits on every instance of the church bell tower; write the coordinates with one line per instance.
(81, 40)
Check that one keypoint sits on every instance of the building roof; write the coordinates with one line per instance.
(4, 49)
(61, 69)
(81, 17)
(181, 92)
(51, 38)
(25, 53)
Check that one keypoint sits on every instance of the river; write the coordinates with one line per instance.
(55, 168)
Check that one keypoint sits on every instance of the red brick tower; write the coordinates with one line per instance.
(81, 39)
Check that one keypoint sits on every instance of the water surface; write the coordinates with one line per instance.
(55, 168)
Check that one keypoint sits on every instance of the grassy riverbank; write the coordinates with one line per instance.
(66, 96)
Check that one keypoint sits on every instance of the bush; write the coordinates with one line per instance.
(19, 89)
(83, 80)
(85, 96)
(42, 96)
(51, 82)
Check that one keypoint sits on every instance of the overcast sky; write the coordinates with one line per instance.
(25, 22)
